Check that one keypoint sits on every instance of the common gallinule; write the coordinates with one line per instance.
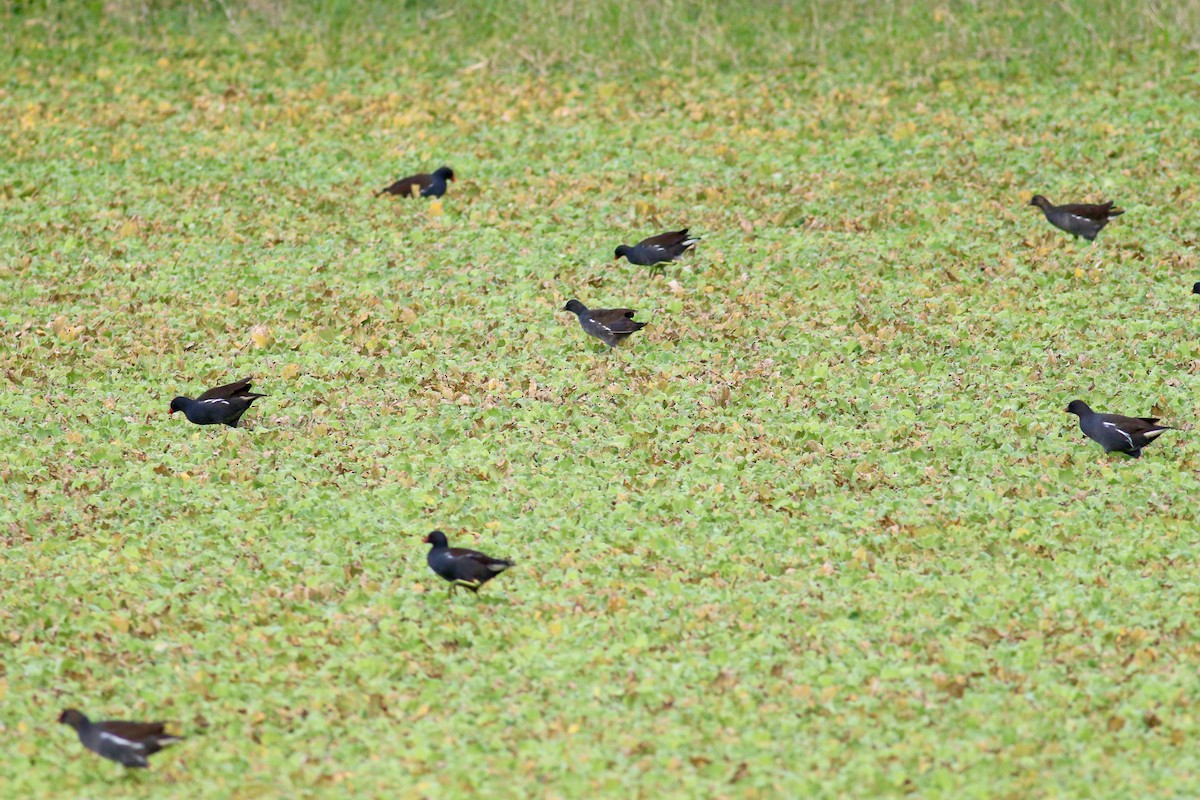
(467, 568)
(610, 325)
(425, 185)
(223, 405)
(658, 250)
(1114, 432)
(1077, 219)
(1196, 288)
(127, 743)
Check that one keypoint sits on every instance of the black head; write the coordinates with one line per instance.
(1078, 408)
(437, 539)
(178, 404)
(1196, 288)
(445, 174)
(74, 718)
(622, 250)
(1039, 201)
(575, 307)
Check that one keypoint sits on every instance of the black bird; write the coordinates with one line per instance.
(1079, 219)
(610, 325)
(223, 405)
(1114, 432)
(1196, 288)
(425, 185)
(467, 568)
(127, 743)
(658, 250)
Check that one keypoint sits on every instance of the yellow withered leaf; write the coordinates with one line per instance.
(260, 335)
(904, 130)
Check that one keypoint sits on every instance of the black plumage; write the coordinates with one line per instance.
(467, 568)
(610, 325)
(127, 743)
(658, 250)
(423, 185)
(1117, 433)
(222, 405)
(1077, 219)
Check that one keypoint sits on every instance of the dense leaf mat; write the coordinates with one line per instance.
(821, 529)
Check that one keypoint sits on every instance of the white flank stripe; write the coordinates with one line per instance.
(118, 740)
(216, 400)
(1117, 428)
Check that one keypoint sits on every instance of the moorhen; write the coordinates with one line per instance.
(1117, 433)
(423, 185)
(223, 405)
(658, 250)
(127, 743)
(467, 568)
(1077, 219)
(610, 325)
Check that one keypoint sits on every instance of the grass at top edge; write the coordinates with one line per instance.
(618, 38)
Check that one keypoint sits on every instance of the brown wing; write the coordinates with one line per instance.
(1133, 425)
(478, 557)
(617, 320)
(227, 391)
(407, 187)
(472, 565)
(1100, 212)
(134, 731)
(665, 240)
